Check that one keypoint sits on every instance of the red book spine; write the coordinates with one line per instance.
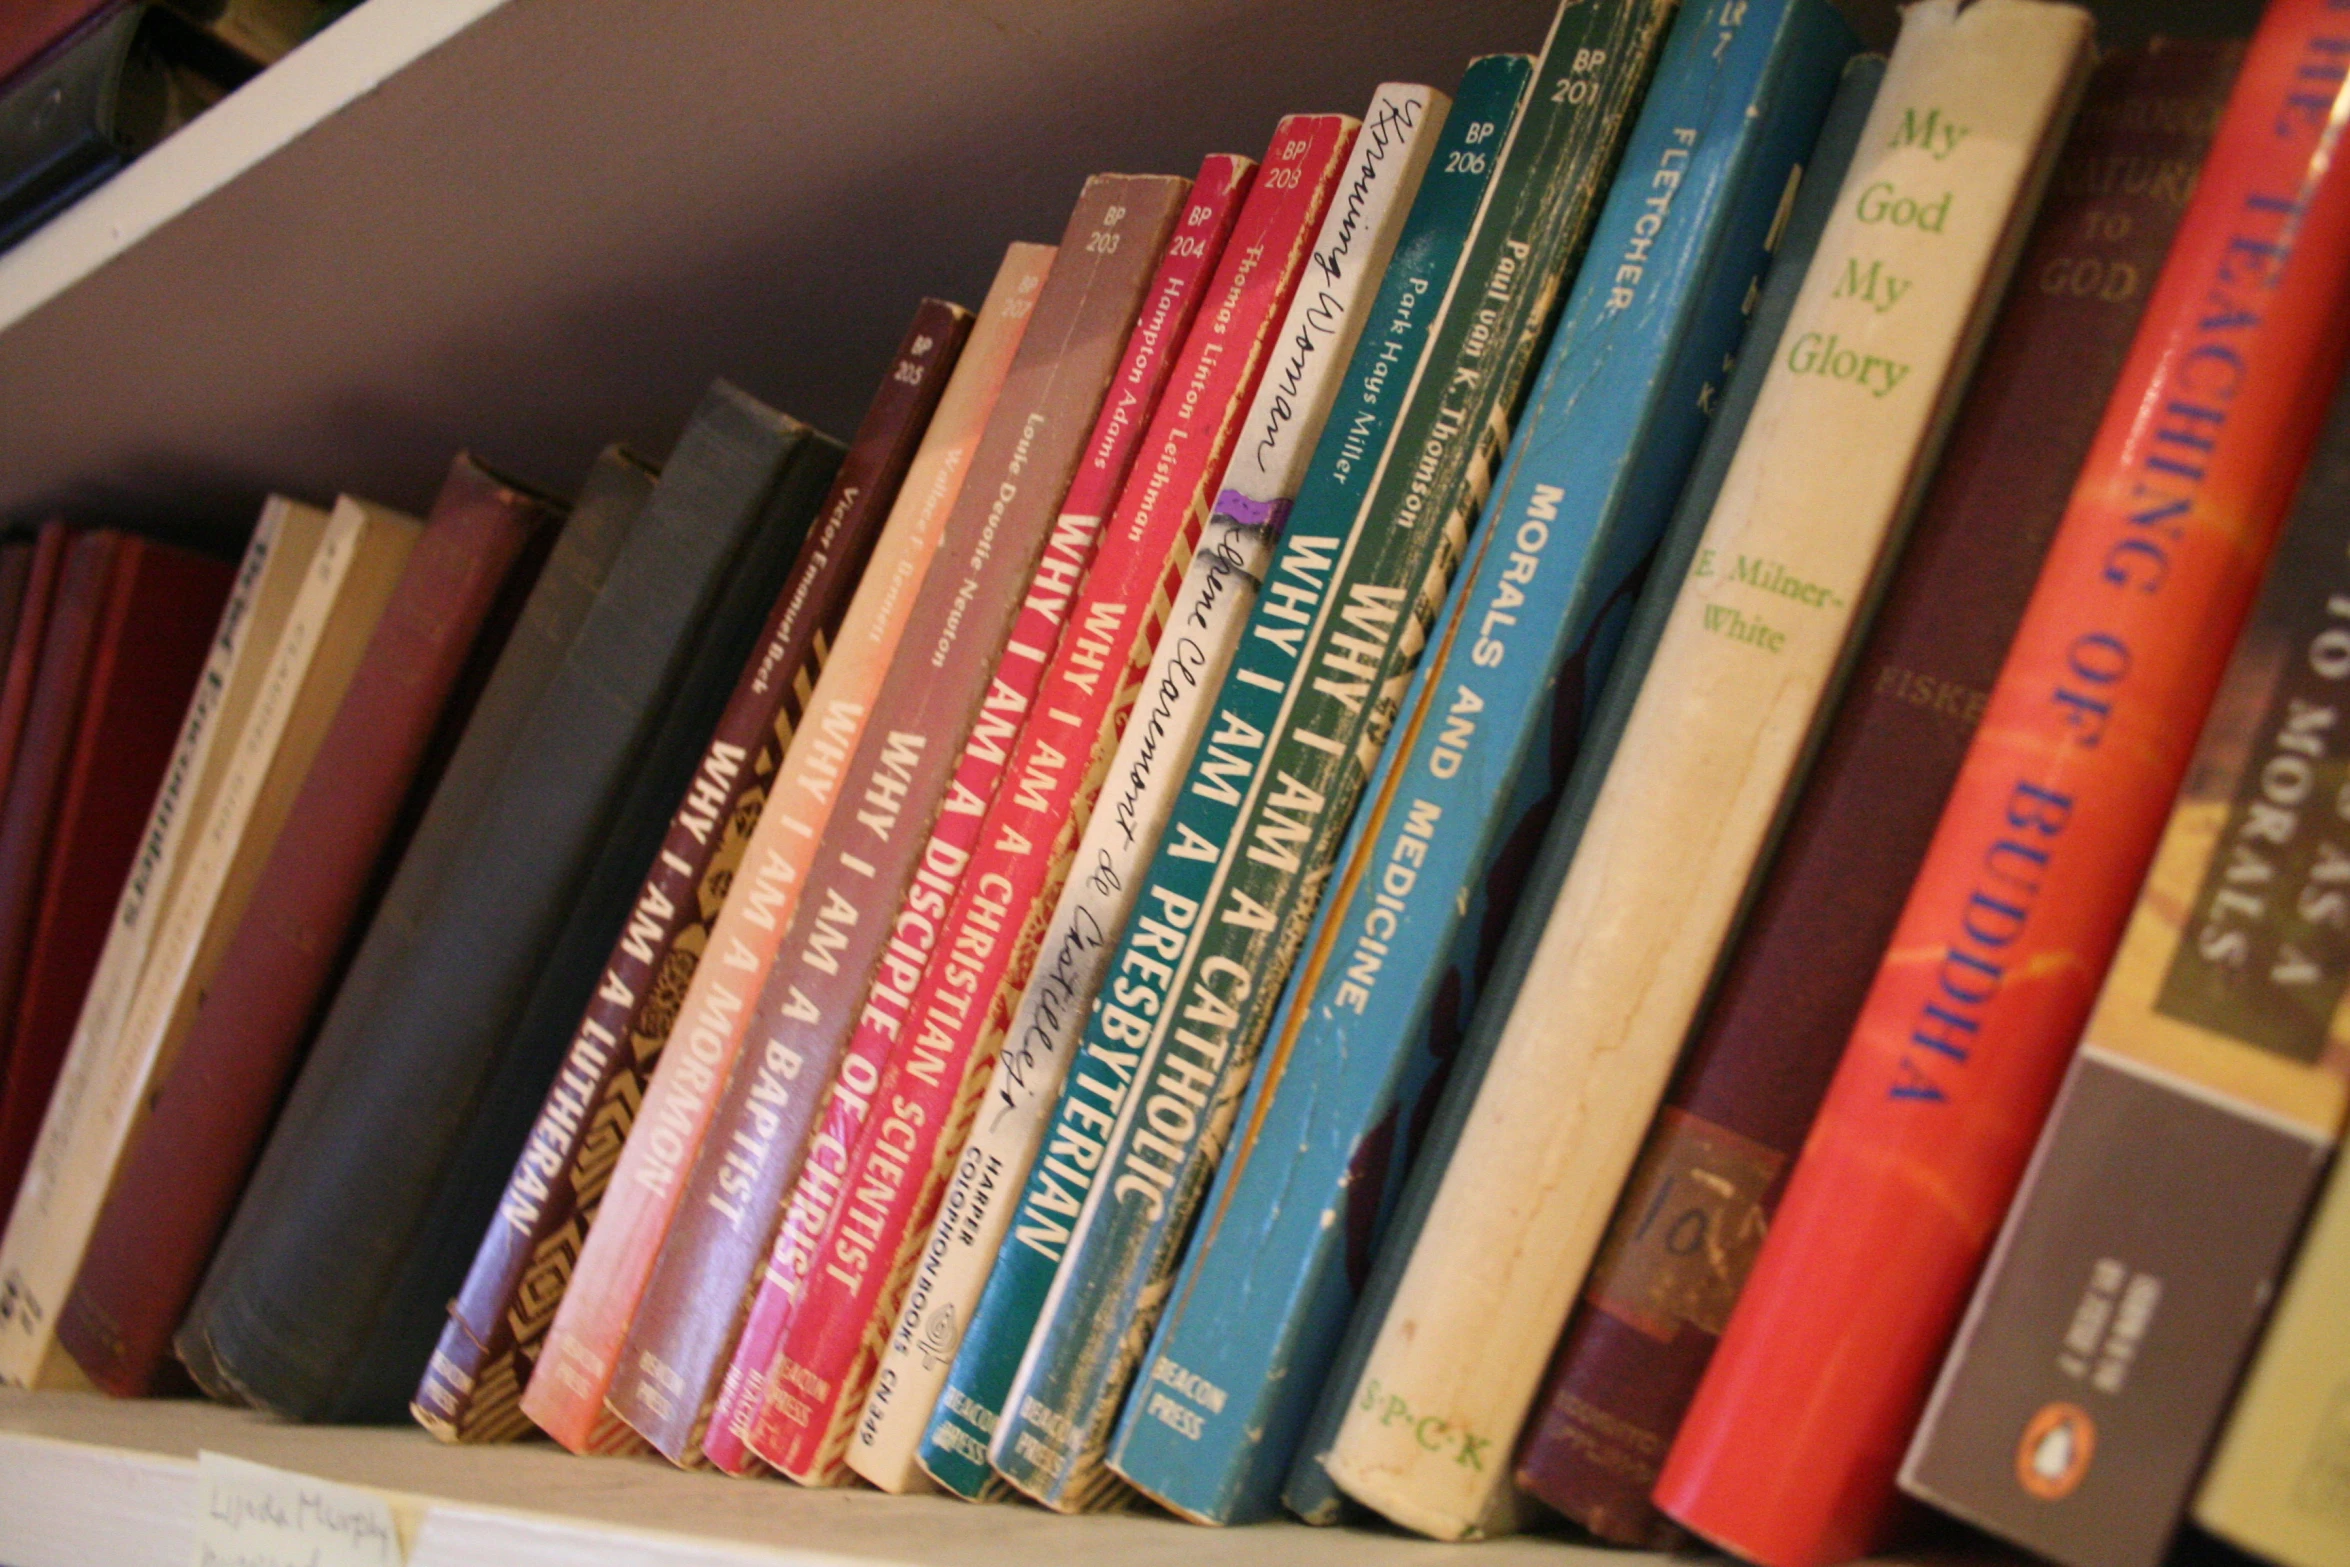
(36, 784)
(916, 1092)
(1754, 1075)
(40, 559)
(183, 1172)
(938, 694)
(1789, 1451)
(471, 1388)
(153, 632)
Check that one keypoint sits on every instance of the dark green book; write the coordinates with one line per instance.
(328, 1293)
(1300, 721)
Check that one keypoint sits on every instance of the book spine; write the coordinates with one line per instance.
(1457, 1043)
(564, 1395)
(1483, 748)
(24, 650)
(2279, 1481)
(1751, 653)
(870, 856)
(2054, 814)
(1253, 390)
(331, 1286)
(472, 1385)
(1757, 1065)
(36, 792)
(92, 1110)
(2159, 1211)
(1311, 696)
(1209, 611)
(922, 1080)
(152, 635)
(181, 1174)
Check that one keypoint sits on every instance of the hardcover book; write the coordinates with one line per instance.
(148, 639)
(339, 598)
(565, 1393)
(1137, 795)
(473, 1383)
(1000, 535)
(820, 1330)
(1482, 749)
(2280, 1481)
(39, 560)
(2158, 1214)
(1752, 651)
(1311, 694)
(481, 546)
(1714, 1161)
(2054, 815)
(90, 1105)
(322, 1303)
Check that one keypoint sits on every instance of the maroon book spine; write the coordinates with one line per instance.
(16, 572)
(24, 662)
(154, 629)
(36, 787)
(1693, 1215)
(675, 1356)
(473, 1382)
(182, 1174)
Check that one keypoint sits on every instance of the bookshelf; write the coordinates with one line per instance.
(531, 227)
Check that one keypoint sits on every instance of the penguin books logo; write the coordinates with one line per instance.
(2055, 1451)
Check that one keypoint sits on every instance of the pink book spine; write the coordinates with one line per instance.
(565, 1396)
(820, 1371)
(876, 1049)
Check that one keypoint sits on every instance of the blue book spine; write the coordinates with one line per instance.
(1606, 444)
(1420, 1093)
(1396, 336)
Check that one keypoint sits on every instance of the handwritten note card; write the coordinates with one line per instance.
(249, 1515)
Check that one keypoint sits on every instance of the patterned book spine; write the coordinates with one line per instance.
(1482, 752)
(473, 1383)
(1060, 981)
(180, 1176)
(1755, 1071)
(2022, 895)
(2160, 1209)
(1749, 657)
(870, 856)
(1228, 366)
(2280, 1482)
(892, 1159)
(565, 1393)
(1312, 693)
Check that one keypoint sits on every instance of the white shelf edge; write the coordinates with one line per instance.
(359, 53)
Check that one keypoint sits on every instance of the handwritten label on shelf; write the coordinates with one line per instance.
(250, 1515)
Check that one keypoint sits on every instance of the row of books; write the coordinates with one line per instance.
(88, 86)
(1190, 915)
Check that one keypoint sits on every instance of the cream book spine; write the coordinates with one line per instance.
(338, 598)
(2279, 1485)
(576, 1367)
(1883, 336)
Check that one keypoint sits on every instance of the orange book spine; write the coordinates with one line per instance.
(565, 1396)
(1788, 1454)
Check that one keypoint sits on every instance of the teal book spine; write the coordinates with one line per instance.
(1312, 694)
(1396, 339)
(1601, 453)
(1439, 1081)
